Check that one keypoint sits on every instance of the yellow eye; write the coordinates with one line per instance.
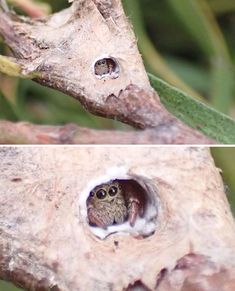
(113, 191)
(101, 194)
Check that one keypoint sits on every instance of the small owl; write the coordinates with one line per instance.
(113, 203)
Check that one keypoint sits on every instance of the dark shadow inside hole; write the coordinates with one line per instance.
(116, 202)
(16, 179)
(137, 286)
(106, 66)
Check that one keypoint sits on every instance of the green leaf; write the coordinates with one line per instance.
(9, 67)
(194, 113)
(6, 109)
(6, 286)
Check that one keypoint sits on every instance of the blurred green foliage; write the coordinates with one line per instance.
(5, 286)
(224, 159)
(190, 46)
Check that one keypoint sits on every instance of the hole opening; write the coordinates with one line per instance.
(106, 67)
(129, 205)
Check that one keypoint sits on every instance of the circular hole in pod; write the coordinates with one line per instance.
(123, 205)
(106, 67)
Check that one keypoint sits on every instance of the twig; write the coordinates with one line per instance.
(32, 8)
(26, 133)
(3, 6)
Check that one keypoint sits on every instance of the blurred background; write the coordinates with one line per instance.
(191, 46)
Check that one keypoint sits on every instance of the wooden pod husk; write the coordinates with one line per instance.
(46, 242)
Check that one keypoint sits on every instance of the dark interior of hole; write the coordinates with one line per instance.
(137, 286)
(132, 189)
(116, 202)
(105, 66)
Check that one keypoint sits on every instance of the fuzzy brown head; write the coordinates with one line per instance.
(106, 67)
(106, 205)
(104, 193)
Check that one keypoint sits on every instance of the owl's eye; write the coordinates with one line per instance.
(113, 190)
(101, 194)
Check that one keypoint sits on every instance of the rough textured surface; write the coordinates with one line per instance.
(46, 243)
(27, 133)
(63, 49)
